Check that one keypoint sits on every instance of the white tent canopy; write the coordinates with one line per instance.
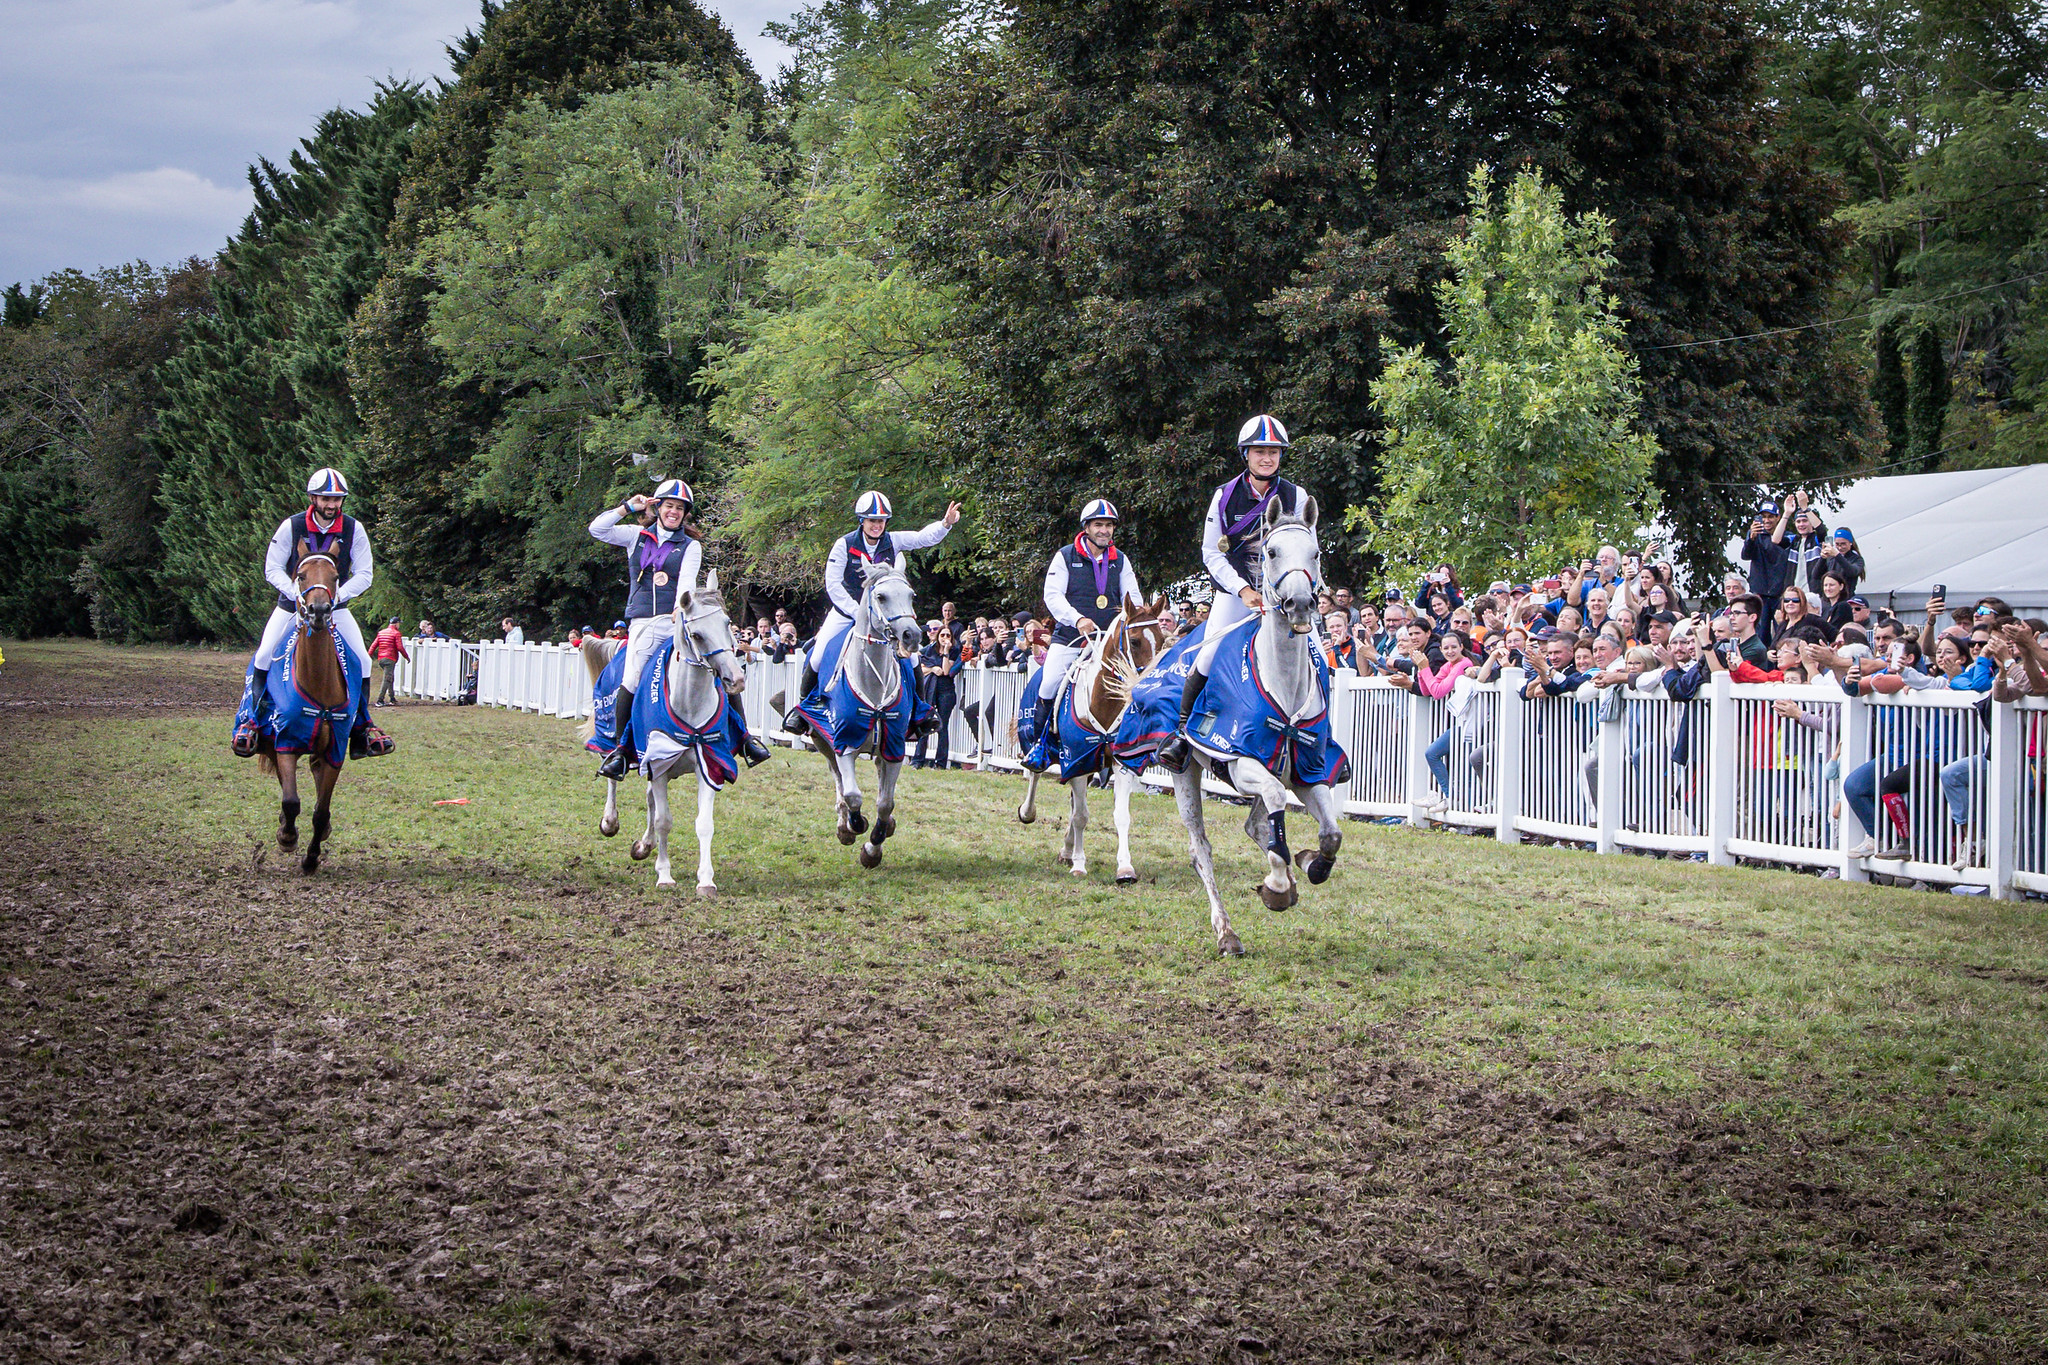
(1979, 532)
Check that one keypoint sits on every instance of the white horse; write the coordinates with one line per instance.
(1289, 571)
(885, 623)
(1103, 678)
(703, 662)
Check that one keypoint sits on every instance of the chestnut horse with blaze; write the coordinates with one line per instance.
(319, 675)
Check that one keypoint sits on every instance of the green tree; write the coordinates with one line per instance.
(259, 397)
(605, 249)
(829, 384)
(468, 560)
(1524, 451)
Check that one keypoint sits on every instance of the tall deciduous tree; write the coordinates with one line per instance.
(1524, 451)
(467, 560)
(605, 249)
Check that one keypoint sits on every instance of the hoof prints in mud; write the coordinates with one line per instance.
(238, 1125)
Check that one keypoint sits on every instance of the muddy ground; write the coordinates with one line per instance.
(244, 1116)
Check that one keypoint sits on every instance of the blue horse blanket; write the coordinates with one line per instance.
(1080, 751)
(1235, 717)
(1154, 712)
(661, 734)
(604, 704)
(842, 722)
(291, 717)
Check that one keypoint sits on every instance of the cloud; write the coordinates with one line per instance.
(127, 126)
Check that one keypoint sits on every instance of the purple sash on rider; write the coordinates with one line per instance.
(1245, 522)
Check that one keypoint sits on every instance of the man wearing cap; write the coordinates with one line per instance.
(1085, 586)
(387, 649)
(1764, 552)
(324, 531)
(872, 542)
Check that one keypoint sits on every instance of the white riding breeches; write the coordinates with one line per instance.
(1058, 659)
(835, 626)
(281, 624)
(643, 637)
(1225, 611)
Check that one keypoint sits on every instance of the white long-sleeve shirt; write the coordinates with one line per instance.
(612, 527)
(280, 553)
(835, 562)
(1063, 611)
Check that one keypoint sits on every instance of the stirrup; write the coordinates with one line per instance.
(369, 742)
(247, 736)
(1173, 755)
(756, 752)
(616, 763)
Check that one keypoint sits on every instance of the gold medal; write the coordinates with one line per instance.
(660, 579)
(1223, 544)
(1101, 601)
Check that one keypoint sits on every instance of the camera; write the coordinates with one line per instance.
(1551, 584)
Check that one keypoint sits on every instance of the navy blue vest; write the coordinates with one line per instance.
(1081, 592)
(1243, 548)
(335, 544)
(647, 597)
(858, 558)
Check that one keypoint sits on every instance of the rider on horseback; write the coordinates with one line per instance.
(871, 543)
(323, 529)
(663, 558)
(1085, 587)
(1233, 534)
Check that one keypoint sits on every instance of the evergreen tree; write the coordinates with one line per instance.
(23, 307)
(260, 397)
(470, 561)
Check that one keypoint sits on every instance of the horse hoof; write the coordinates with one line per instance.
(870, 856)
(640, 851)
(607, 828)
(287, 841)
(1078, 871)
(707, 893)
(846, 835)
(310, 864)
(1126, 877)
(1026, 815)
(1228, 946)
(856, 822)
(1318, 869)
(660, 882)
(1275, 900)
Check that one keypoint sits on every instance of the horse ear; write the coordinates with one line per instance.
(1308, 510)
(304, 548)
(1133, 606)
(1273, 514)
(711, 582)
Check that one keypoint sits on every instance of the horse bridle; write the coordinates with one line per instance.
(698, 657)
(1270, 590)
(301, 609)
(867, 596)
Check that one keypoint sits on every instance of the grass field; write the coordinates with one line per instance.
(479, 1091)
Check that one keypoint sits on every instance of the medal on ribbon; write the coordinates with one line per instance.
(1101, 599)
(660, 579)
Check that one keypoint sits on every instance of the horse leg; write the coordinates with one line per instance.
(1187, 794)
(885, 812)
(1123, 780)
(608, 823)
(325, 775)
(643, 847)
(852, 824)
(288, 801)
(1267, 826)
(707, 795)
(661, 822)
(1076, 857)
(1329, 832)
(1028, 811)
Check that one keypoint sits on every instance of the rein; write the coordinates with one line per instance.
(1271, 590)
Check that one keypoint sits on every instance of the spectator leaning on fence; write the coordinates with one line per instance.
(387, 649)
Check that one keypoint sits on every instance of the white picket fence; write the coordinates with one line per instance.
(1726, 776)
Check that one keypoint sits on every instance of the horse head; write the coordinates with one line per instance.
(1144, 632)
(1291, 566)
(886, 603)
(700, 617)
(318, 578)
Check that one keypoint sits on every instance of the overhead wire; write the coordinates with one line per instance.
(1838, 322)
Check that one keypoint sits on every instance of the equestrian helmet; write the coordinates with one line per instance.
(677, 490)
(872, 505)
(1263, 430)
(1102, 509)
(327, 483)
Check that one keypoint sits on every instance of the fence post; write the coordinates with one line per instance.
(1718, 756)
(2001, 793)
(1507, 756)
(1415, 766)
(1608, 735)
(1855, 753)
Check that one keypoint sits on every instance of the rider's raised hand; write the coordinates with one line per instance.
(952, 513)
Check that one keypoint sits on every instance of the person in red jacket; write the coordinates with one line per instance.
(387, 649)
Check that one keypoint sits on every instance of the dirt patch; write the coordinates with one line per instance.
(45, 678)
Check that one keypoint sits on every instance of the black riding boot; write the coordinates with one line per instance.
(755, 752)
(793, 724)
(1040, 757)
(245, 739)
(1173, 755)
(615, 762)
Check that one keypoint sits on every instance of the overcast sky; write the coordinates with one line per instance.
(127, 126)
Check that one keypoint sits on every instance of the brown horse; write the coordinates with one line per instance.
(317, 672)
(1102, 685)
